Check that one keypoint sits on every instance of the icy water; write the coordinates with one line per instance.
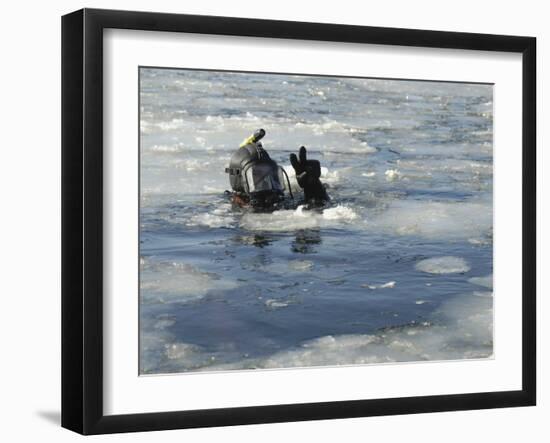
(398, 268)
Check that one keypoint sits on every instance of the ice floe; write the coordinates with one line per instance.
(486, 281)
(175, 282)
(291, 220)
(431, 219)
(389, 284)
(443, 265)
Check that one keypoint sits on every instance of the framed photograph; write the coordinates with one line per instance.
(269, 221)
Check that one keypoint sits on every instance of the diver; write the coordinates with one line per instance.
(259, 182)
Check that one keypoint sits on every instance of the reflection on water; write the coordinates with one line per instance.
(260, 241)
(306, 241)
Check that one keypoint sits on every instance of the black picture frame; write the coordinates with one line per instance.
(82, 218)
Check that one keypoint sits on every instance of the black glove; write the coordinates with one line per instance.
(307, 175)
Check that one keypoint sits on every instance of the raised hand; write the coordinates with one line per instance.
(308, 173)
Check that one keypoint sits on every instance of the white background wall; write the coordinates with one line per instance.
(30, 218)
